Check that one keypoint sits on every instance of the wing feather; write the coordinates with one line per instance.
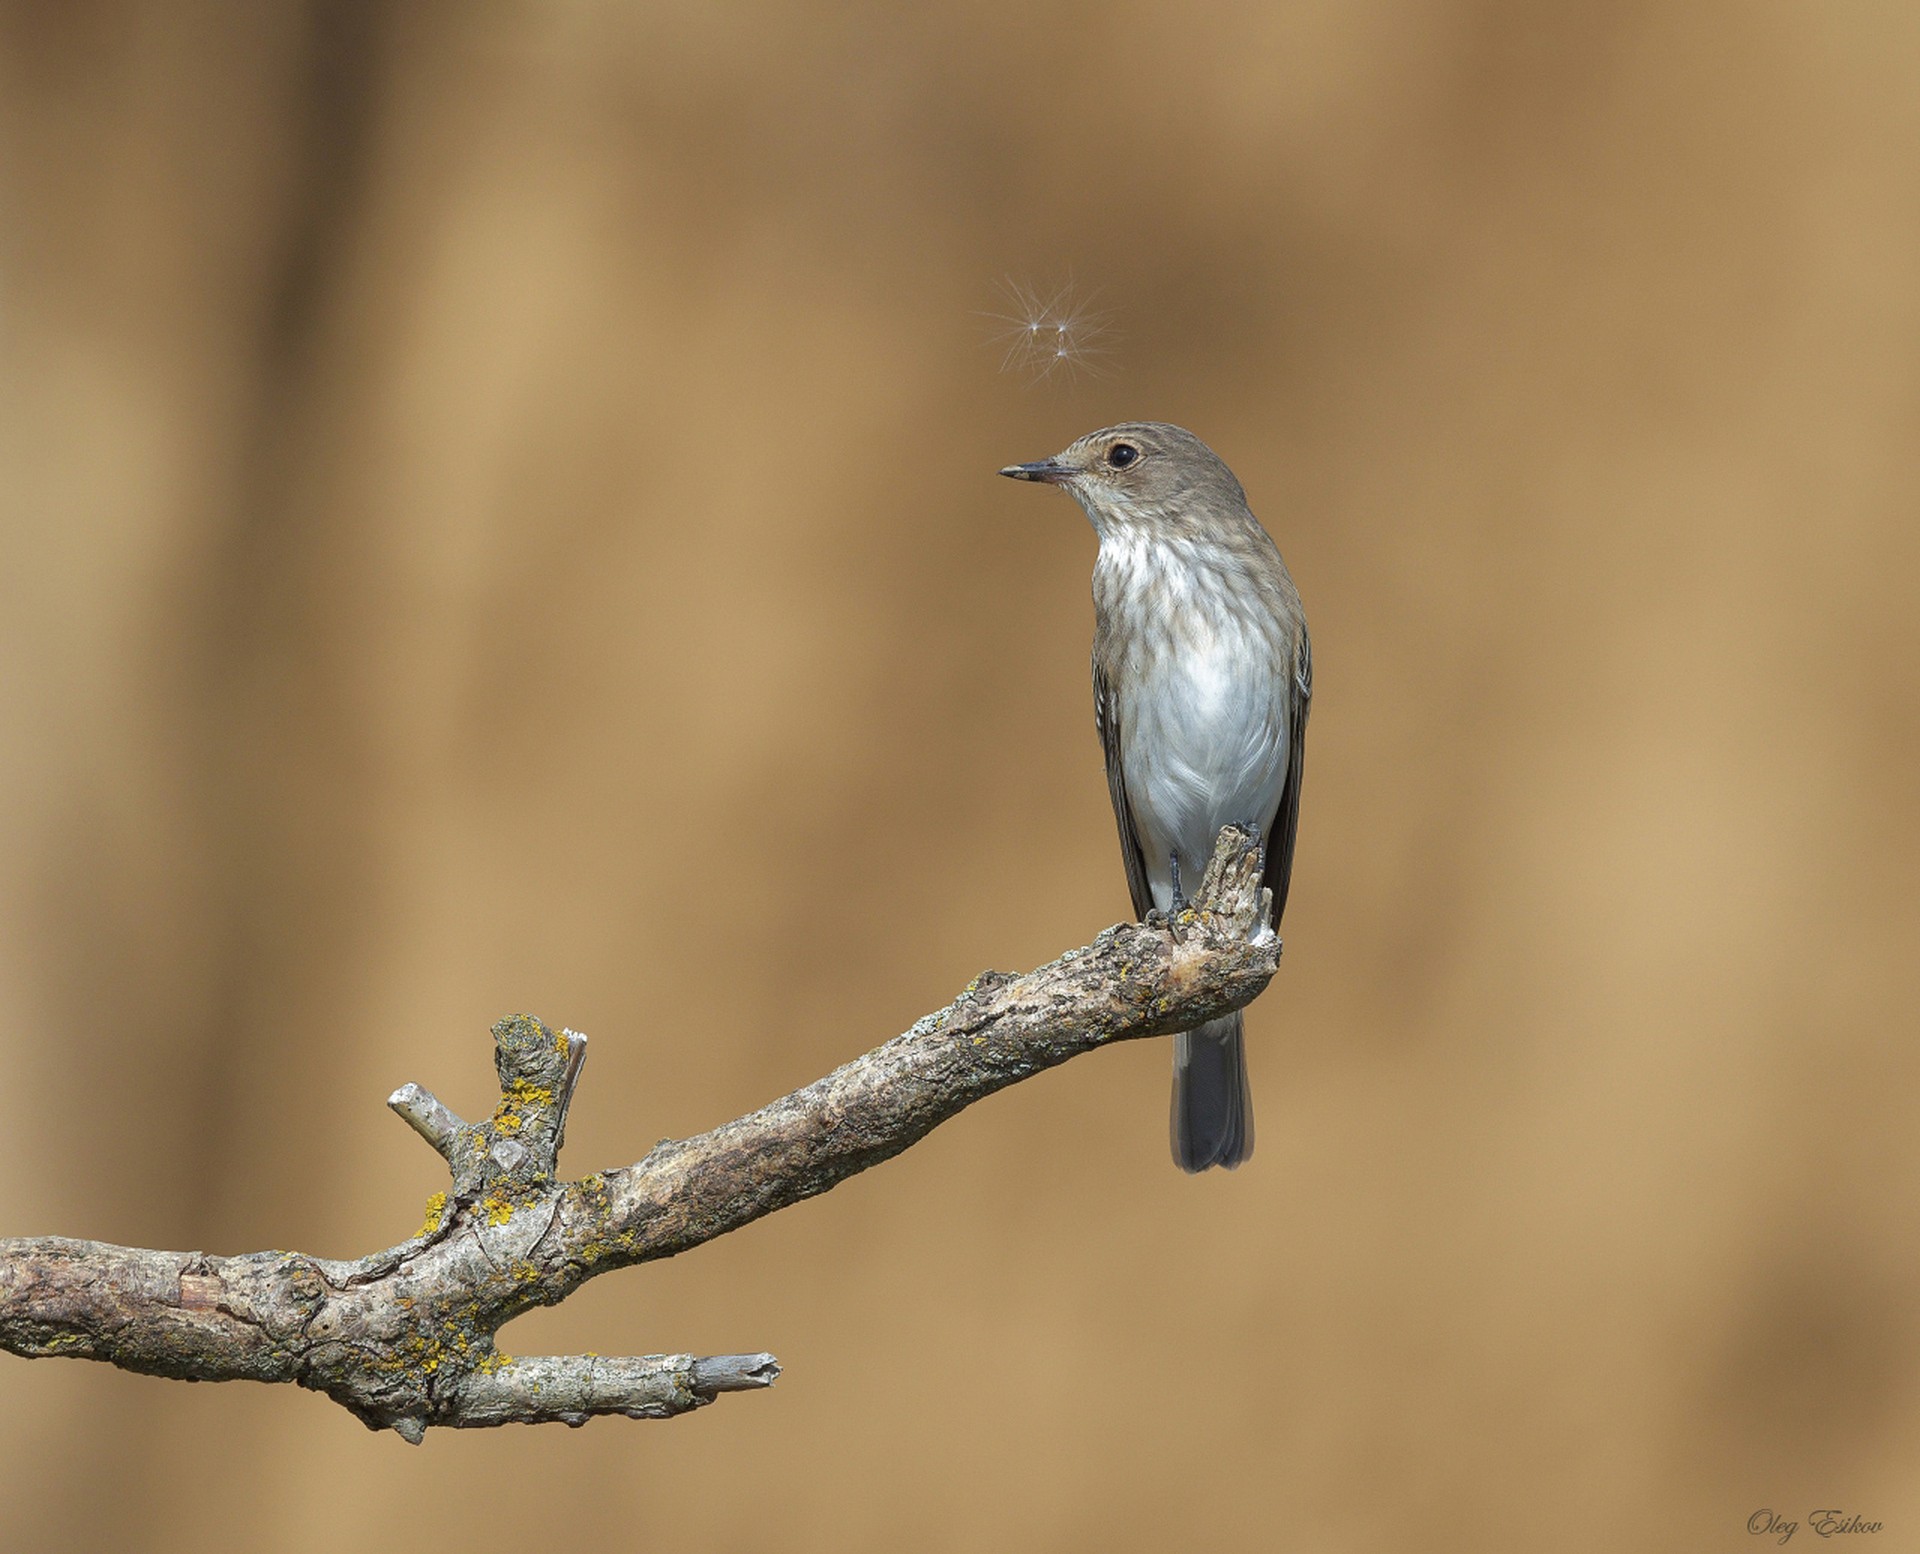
(1106, 718)
(1287, 820)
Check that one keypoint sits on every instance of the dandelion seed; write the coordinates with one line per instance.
(1051, 334)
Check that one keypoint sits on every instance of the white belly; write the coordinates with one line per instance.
(1204, 744)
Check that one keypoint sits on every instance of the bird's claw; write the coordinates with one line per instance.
(1170, 921)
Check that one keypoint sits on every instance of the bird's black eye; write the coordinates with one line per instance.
(1121, 454)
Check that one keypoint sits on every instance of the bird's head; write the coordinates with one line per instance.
(1139, 472)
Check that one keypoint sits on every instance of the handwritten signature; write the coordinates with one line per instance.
(1829, 1523)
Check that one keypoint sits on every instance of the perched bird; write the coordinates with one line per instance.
(1201, 681)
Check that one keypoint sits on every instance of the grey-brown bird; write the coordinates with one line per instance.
(1202, 677)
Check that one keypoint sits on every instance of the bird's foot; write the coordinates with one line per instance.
(1170, 921)
(1259, 841)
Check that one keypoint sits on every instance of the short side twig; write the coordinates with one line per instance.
(424, 1113)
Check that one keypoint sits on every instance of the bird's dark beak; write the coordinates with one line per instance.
(1052, 471)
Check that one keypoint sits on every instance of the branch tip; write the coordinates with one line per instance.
(576, 1060)
(570, 1389)
(734, 1372)
(424, 1112)
(1231, 888)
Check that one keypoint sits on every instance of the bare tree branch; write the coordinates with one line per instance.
(404, 1338)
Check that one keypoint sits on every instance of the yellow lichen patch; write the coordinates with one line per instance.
(436, 1206)
(492, 1363)
(497, 1208)
(519, 1098)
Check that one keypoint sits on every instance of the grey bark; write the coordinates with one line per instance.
(404, 1338)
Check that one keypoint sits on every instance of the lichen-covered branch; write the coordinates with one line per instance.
(405, 1338)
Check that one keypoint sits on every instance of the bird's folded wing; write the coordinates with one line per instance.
(1287, 820)
(1106, 718)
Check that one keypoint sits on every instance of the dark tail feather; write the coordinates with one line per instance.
(1212, 1107)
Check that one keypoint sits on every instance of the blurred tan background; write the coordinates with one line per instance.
(474, 473)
